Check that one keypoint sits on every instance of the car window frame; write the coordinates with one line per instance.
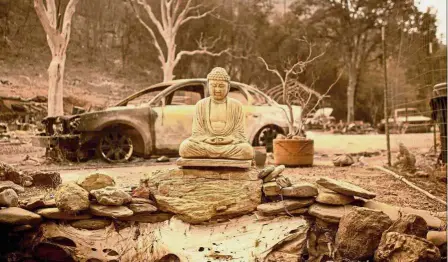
(161, 97)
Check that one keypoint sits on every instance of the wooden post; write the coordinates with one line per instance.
(386, 116)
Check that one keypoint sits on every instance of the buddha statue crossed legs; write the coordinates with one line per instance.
(218, 124)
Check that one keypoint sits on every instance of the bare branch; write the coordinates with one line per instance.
(163, 12)
(328, 90)
(198, 52)
(151, 32)
(275, 71)
(151, 15)
(198, 16)
(66, 25)
(51, 12)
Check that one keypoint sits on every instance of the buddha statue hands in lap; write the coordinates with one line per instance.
(218, 124)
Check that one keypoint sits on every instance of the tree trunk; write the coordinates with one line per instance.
(351, 90)
(168, 69)
(55, 86)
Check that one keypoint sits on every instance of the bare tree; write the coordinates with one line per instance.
(57, 28)
(294, 92)
(173, 14)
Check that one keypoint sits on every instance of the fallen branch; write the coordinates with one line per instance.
(410, 184)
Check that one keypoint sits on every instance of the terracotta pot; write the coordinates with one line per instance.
(294, 152)
(260, 156)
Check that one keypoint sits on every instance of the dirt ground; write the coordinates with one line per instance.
(387, 188)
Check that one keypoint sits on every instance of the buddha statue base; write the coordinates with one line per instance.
(213, 162)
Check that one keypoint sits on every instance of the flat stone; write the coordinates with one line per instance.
(282, 206)
(394, 213)
(110, 211)
(55, 213)
(142, 208)
(266, 171)
(111, 196)
(345, 188)
(38, 202)
(9, 198)
(277, 171)
(271, 189)
(330, 197)
(70, 197)
(438, 238)
(95, 181)
(300, 190)
(18, 216)
(283, 181)
(9, 184)
(91, 224)
(196, 195)
(148, 217)
(328, 213)
(140, 200)
(299, 211)
(213, 162)
(22, 228)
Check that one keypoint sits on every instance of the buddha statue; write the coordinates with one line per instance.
(218, 124)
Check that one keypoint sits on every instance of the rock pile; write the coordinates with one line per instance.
(347, 224)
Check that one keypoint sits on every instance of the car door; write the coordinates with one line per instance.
(174, 119)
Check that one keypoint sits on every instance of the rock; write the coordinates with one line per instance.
(142, 208)
(70, 197)
(277, 171)
(111, 196)
(163, 159)
(7, 172)
(280, 136)
(328, 213)
(49, 179)
(38, 202)
(359, 233)
(283, 181)
(148, 217)
(9, 184)
(195, 194)
(9, 198)
(55, 213)
(138, 200)
(421, 173)
(22, 228)
(330, 197)
(91, 224)
(283, 206)
(345, 188)
(141, 192)
(410, 224)
(343, 160)
(18, 216)
(300, 190)
(397, 247)
(95, 181)
(271, 189)
(438, 238)
(110, 211)
(394, 213)
(266, 171)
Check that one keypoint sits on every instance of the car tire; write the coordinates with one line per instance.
(115, 147)
(265, 137)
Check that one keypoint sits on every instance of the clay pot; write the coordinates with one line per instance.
(294, 152)
(260, 156)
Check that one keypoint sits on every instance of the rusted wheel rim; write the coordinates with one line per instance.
(116, 147)
(266, 137)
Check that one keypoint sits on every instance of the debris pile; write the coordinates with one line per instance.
(347, 224)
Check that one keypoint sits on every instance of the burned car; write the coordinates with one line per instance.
(156, 120)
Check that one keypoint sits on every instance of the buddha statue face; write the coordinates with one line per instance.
(218, 89)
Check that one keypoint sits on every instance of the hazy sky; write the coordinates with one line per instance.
(439, 7)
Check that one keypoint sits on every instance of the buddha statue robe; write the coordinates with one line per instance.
(230, 142)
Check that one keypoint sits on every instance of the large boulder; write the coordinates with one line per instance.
(329, 213)
(397, 247)
(198, 195)
(70, 197)
(111, 196)
(359, 233)
(95, 181)
(410, 224)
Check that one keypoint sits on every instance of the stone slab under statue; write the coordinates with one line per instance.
(218, 136)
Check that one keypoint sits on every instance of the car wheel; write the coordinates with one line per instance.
(266, 136)
(115, 147)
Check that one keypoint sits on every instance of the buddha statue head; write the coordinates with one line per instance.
(218, 82)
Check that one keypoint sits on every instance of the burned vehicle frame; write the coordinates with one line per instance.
(155, 121)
